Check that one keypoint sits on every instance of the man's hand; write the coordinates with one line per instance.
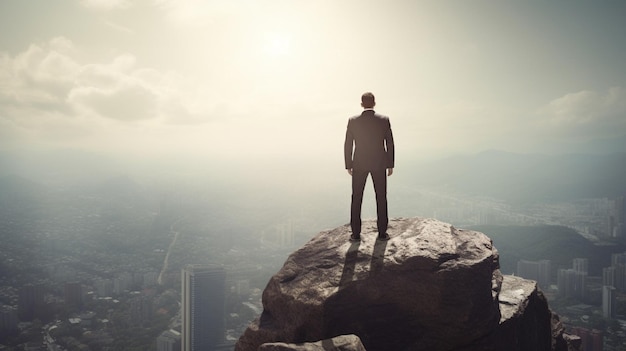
(389, 171)
(349, 171)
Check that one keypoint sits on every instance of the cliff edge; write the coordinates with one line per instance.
(431, 287)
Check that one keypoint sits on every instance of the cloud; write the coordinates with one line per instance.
(47, 78)
(47, 95)
(38, 78)
(587, 113)
(128, 101)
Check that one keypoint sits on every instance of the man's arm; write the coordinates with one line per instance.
(347, 149)
(391, 150)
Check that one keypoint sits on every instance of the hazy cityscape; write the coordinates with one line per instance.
(98, 266)
(157, 155)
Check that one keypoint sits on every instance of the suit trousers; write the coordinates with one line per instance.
(359, 178)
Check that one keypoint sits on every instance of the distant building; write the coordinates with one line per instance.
(571, 283)
(593, 290)
(8, 320)
(141, 310)
(104, 287)
(618, 259)
(280, 234)
(243, 287)
(608, 301)
(597, 337)
(122, 283)
(617, 220)
(203, 306)
(137, 280)
(581, 265)
(30, 301)
(169, 340)
(620, 207)
(611, 224)
(620, 278)
(591, 340)
(608, 276)
(150, 279)
(285, 233)
(565, 282)
(535, 270)
(585, 337)
(73, 294)
(618, 263)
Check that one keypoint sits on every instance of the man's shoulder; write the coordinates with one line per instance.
(364, 115)
(380, 116)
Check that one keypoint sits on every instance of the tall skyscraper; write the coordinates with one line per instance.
(608, 301)
(203, 301)
(618, 263)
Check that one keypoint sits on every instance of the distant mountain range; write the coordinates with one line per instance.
(605, 146)
(526, 177)
(14, 187)
(599, 171)
(558, 244)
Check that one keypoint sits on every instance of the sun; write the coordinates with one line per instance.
(277, 45)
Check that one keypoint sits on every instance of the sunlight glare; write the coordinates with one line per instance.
(277, 45)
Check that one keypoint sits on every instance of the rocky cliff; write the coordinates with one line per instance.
(431, 287)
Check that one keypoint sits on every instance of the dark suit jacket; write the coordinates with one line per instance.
(370, 134)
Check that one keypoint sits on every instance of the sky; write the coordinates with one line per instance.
(270, 79)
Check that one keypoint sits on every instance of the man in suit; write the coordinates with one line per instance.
(369, 136)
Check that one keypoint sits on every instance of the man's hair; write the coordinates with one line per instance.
(368, 100)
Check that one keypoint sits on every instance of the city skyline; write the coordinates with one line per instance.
(106, 270)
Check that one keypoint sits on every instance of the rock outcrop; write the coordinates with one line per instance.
(526, 322)
(431, 287)
(339, 343)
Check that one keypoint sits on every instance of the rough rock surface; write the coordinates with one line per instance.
(339, 343)
(574, 343)
(431, 287)
(526, 322)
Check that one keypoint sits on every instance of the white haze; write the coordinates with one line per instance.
(260, 91)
